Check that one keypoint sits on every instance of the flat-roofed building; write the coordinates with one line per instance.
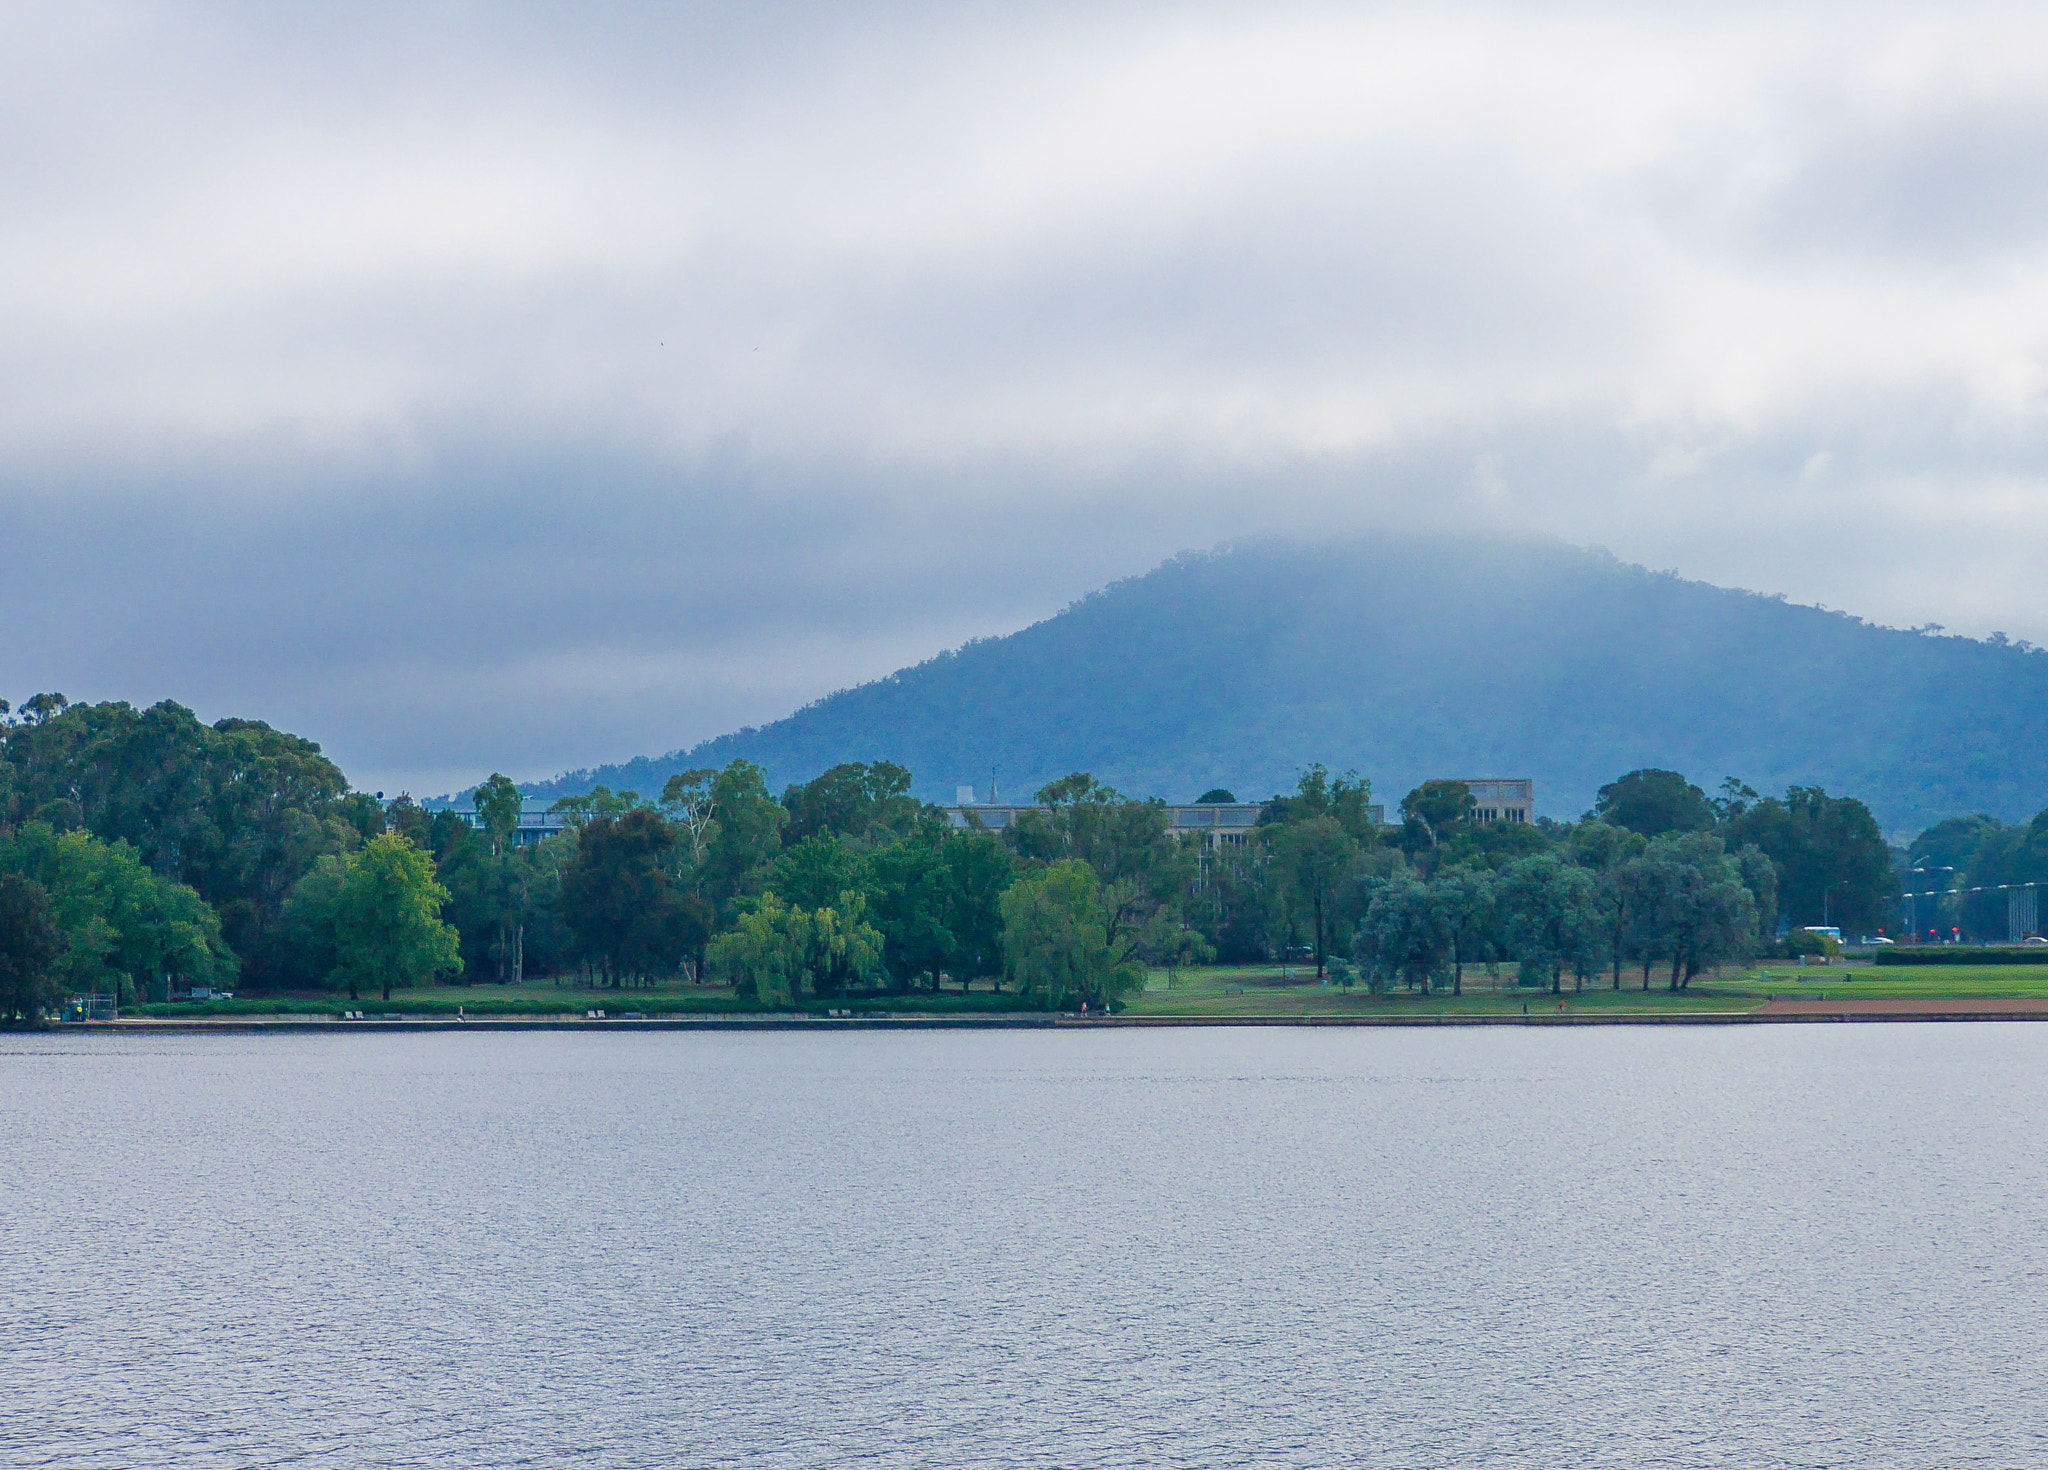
(1502, 799)
(536, 822)
(1216, 823)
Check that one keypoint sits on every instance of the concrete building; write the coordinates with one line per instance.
(1502, 799)
(536, 823)
(1217, 824)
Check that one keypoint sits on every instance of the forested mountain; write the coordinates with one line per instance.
(1413, 658)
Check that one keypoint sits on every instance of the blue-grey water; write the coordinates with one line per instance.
(1770, 1246)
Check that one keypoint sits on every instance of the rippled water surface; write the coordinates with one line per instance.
(1771, 1246)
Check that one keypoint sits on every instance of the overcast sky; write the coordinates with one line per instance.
(520, 387)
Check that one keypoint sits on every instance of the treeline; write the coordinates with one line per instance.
(142, 849)
(1977, 852)
(1658, 879)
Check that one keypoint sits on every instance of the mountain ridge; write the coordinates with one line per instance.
(1411, 657)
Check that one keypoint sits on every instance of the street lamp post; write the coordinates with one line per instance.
(1931, 868)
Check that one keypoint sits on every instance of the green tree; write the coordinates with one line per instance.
(1129, 844)
(494, 902)
(120, 926)
(1057, 942)
(1550, 918)
(310, 914)
(1406, 932)
(1612, 855)
(1653, 802)
(29, 946)
(498, 806)
(2001, 857)
(1600, 847)
(590, 806)
(629, 915)
(867, 803)
(387, 919)
(1703, 914)
(1954, 845)
(1171, 944)
(777, 953)
(1314, 861)
(841, 948)
(688, 800)
(1466, 898)
(815, 871)
(1434, 812)
(745, 835)
(1760, 876)
(1490, 845)
(913, 909)
(235, 810)
(762, 955)
(1832, 862)
(978, 871)
(1346, 799)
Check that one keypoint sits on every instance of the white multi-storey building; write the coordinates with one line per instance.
(1502, 799)
(1218, 823)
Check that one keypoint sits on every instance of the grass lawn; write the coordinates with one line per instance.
(534, 998)
(546, 998)
(1220, 991)
(1269, 991)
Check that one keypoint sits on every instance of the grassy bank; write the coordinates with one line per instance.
(1271, 991)
(1222, 991)
(543, 998)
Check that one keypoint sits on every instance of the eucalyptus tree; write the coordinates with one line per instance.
(1434, 812)
(1703, 913)
(1550, 918)
(499, 806)
(628, 914)
(1614, 856)
(1832, 862)
(1406, 933)
(1468, 900)
(236, 810)
(1345, 799)
(374, 916)
(1128, 844)
(870, 804)
(1314, 863)
(29, 947)
(1652, 802)
(120, 926)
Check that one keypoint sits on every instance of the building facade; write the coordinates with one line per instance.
(1502, 798)
(536, 823)
(1217, 824)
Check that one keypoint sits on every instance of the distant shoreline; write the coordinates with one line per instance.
(1784, 1012)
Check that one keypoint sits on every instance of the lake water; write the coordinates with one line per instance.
(1759, 1246)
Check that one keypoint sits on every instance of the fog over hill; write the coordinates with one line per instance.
(1407, 658)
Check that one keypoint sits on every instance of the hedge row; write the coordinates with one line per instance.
(1963, 954)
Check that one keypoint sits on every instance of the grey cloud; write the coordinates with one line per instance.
(1941, 183)
(505, 387)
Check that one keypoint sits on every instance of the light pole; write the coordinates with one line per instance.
(1931, 868)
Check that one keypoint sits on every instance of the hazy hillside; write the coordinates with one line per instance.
(1409, 659)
